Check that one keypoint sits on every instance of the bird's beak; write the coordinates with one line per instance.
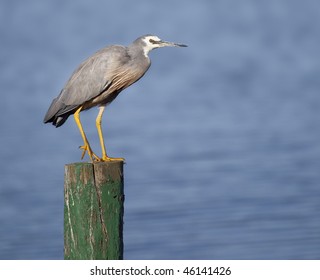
(170, 44)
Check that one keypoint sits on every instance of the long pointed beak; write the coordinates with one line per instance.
(170, 44)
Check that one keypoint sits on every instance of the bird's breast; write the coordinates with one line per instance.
(120, 79)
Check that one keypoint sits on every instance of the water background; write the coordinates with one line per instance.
(221, 139)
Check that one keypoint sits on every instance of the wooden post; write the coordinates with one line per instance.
(93, 211)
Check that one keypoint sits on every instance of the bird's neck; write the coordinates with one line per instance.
(138, 52)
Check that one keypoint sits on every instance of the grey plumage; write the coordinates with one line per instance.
(99, 79)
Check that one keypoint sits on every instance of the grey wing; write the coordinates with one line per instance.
(89, 80)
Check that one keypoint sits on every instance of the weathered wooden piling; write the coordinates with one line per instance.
(93, 211)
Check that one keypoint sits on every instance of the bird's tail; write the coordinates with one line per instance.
(58, 112)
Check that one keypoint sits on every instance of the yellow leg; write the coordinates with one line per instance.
(103, 148)
(86, 147)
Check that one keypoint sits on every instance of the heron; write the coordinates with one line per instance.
(97, 82)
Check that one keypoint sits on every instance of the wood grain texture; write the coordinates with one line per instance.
(93, 211)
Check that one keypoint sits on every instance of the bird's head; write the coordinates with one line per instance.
(150, 42)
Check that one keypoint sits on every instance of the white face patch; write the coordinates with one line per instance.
(149, 45)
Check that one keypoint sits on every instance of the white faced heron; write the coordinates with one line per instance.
(98, 81)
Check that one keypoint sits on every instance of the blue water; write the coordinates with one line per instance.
(221, 139)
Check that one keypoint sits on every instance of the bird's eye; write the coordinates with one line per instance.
(153, 41)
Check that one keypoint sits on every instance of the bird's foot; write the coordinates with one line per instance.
(106, 158)
(92, 155)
